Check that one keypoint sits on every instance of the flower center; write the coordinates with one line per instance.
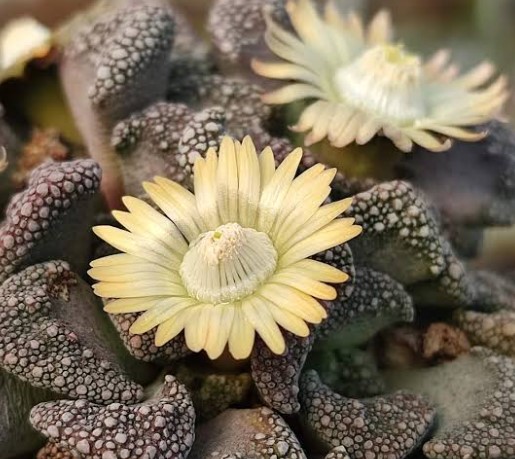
(384, 81)
(227, 264)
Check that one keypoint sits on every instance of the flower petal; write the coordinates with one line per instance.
(266, 167)
(380, 29)
(137, 226)
(249, 182)
(477, 76)
(291, 93)
(257, 313)
(367, 130)
(427, 140)
(227, 180)
(205, 184)
(133, 244)
(436, 63)
(350, 131)
(138, 289)
(294, 301)
(320, 271)
(178, 204)
(220, 324)
(284, 71)
(309, 116)
(161, 313)
(169, 329)
(335, 233)
(322, 217)
(241, 338)
(128, 305)
(196, 329)
(276, 190)
(116, 267)
(289, 321)
(321, 125)
(134, 273)
(300, 206)
(309, 26)
(304, 283)
(156, 223)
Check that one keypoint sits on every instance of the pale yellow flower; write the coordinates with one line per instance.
(363, 84)
(231, 259)
(21, 40)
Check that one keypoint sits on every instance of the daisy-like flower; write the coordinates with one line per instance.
(363, 84)
(230, 260)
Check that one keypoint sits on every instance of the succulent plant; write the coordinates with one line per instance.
(244, 304)
(112, 68)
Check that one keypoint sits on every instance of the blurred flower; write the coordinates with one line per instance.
(363, 84)
(231, 260)
(21, 40)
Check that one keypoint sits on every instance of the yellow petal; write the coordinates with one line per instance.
(249, 182)
(333, 16)
(325, 215)
(427, 140)
(205, 183)
(477, 76)
(117, 260)
(161, 313)
(321, 124)
(128, 305)
(287, 46)
(266, 167)
(304, 283)
(367, 130)
(457, 133)
(227, 180)
(220, 324)
(156, 223)
(300, 206)
(437, 62)
(142, 227)
(339, 119)
(169, 329)
(284, 71)
(294, 301)
(310, 115)
(302, 186)
(309, 26)
(355, 26)
(196, 329)
(276, 190)
(335, 233)
(348, 134)
(257, 313)
(241, 338)
(138, 289)
(314, 178)
(133, 244)
(401, 140)
(291, 93)
(179, 206)
(133, 273)
(380, 28)
(320, 271)
(289, 321)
